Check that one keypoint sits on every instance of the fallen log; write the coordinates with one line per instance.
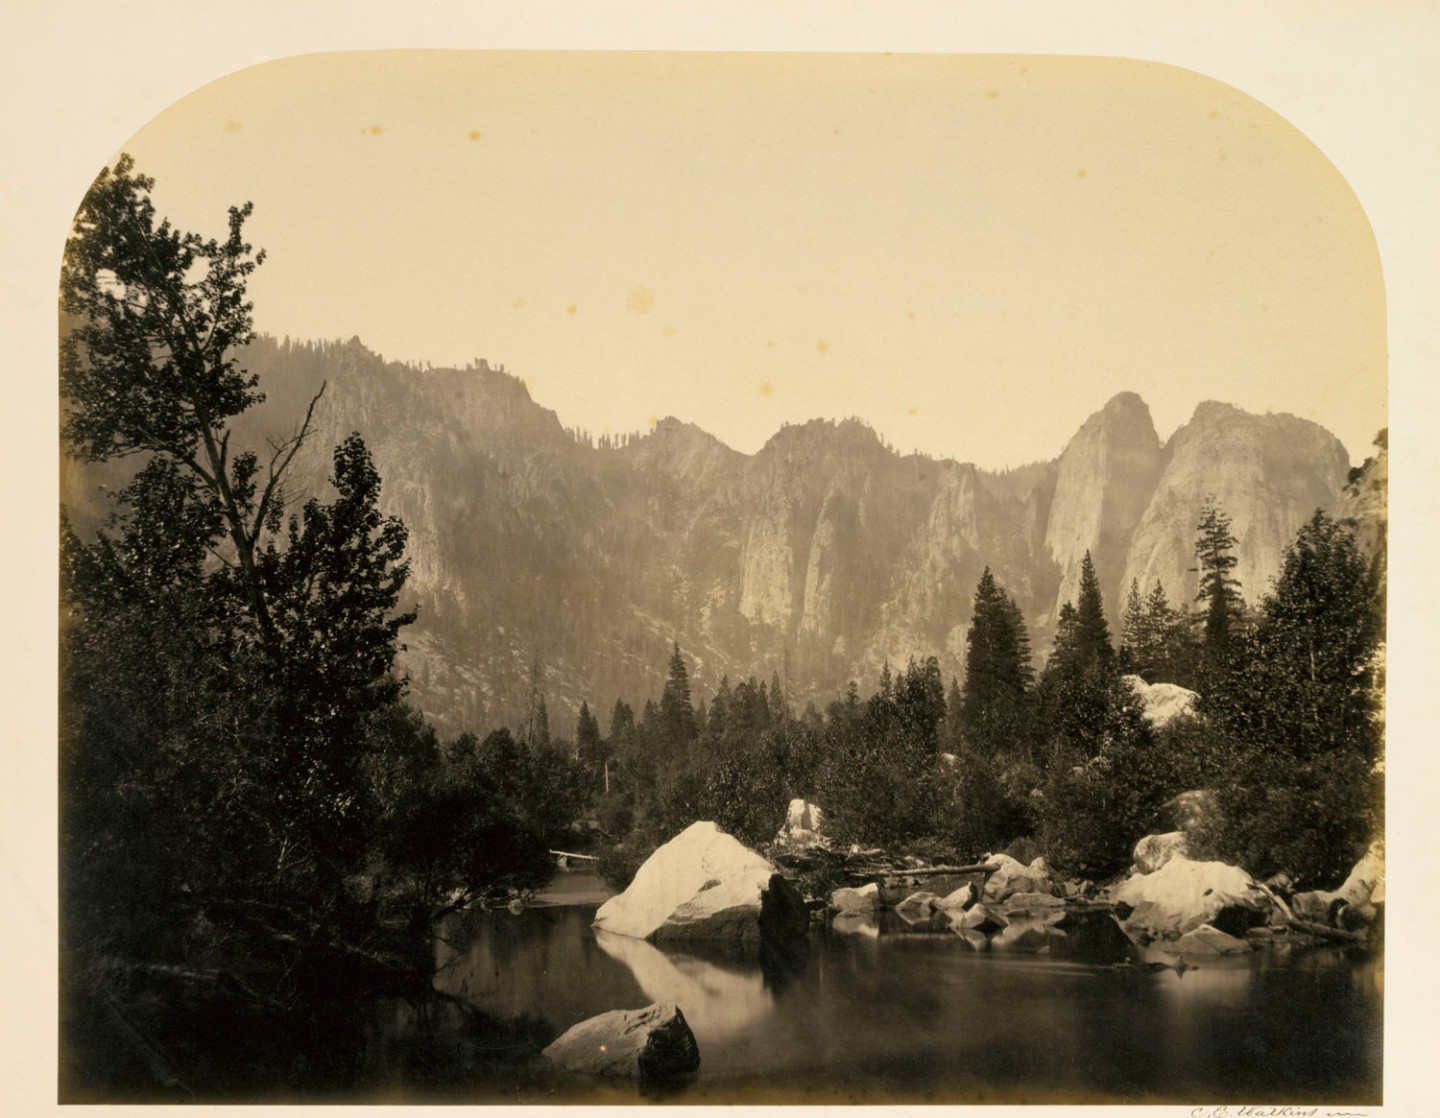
(986, 868)
(1326, 932)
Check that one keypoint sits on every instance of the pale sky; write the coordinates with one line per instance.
(972, 253)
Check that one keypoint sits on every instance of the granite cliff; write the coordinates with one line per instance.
(818, 557)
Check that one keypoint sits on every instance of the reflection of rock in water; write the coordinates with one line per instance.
(857, 924)
(783, 959)
(718, 1001)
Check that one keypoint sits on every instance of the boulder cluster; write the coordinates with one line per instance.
(705, 885)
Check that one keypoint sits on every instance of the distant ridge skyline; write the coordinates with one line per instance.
(929, 241)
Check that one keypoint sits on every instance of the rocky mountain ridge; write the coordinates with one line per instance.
(817, 558)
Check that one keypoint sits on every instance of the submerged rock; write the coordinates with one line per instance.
(980, 918)
(1208, 940)
(1181, 895)
(650, 1043)
(920, 904)
(705, 884)
(1153, 851)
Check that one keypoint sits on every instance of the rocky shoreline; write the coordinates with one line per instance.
(1169, 912)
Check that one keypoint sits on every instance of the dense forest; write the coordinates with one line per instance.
(253, 818)
(1285, 731)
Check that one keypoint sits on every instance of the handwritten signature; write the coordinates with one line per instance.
(1271, 1112)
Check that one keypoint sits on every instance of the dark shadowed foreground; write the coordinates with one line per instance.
(899, 1014)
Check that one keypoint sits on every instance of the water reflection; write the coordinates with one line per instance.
(720, 1002)
(882, 1011)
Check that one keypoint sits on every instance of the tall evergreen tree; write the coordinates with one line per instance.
(590, 748)
(1135, 640)
(1078, 686)
(1300, 711)
(677, 714)
(1219, 589)
(920, 703)
(998, 672)
(1092, 634)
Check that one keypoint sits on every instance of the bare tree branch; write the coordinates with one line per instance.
(288, 448)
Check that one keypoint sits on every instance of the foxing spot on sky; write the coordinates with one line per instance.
(972, 253)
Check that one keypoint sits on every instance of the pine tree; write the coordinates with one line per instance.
(1219, 589)
(1092, 634)
(677, 715)
(1137, 641)
(1298, 704)
(1077, 688)
(998, 673)
(590, 747)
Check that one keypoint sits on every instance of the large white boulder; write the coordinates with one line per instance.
(1153, 851)
(1162, 703)
(1016, 877)
(702, 884)
(803, 824)
(650, 1043)
(1181, 895)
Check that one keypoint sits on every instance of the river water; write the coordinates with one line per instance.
(887, 1013)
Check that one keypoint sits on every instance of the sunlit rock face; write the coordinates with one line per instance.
(1353, 903)
(1153, 851)
(705, 885)
(652, 1043)
(826, 552)
(1106, 478)
(1162, 702)
(1268, 473)
(1181, 895)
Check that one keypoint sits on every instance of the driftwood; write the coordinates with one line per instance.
(986, 868)
(1340, 935)
(567, 854)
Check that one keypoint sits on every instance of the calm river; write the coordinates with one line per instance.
(887, 1014)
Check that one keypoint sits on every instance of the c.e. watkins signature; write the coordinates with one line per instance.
(1271, 1112)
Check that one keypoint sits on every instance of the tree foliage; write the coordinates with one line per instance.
(241, 779)
(1219, 589)
(1299, 711)
(998, 672)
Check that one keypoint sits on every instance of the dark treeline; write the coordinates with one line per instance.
(254, 823)
(1285, 731)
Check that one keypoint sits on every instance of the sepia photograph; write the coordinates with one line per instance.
(686, 577)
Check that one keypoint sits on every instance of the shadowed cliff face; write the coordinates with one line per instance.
(824, 550)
